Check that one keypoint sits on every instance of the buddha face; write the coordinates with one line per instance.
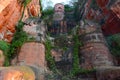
(2, 58)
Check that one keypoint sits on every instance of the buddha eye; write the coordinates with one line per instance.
(59, 7)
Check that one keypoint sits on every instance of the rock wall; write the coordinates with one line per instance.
(29, 64)
(10, 13)
(108, 15)
(108, 73)
(17, 73)
(95, 52)
(116, 8)
(112, 22)
(32, 54)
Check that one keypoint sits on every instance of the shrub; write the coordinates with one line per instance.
(4, 46)
(114, 44)
(48, 56)
(76, 64)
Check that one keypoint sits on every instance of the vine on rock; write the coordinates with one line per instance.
(20, 37)
(75, 68)
(48, 56)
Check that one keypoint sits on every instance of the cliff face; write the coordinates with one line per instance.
(10, 13)
(116, 8)
(112, 18)
(108, 15)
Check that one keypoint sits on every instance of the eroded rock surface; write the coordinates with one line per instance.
(107, 14)
(108, 73)
(16, 73)
(95, 52)
(32, 54)
(116, 8)
(10, 13)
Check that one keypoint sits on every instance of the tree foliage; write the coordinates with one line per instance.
(68, 8)
(24, 2)
(114, 44)
(94, 5)
(48, 56)
(47, 12)
(4, 46)
(76, 67)
(20, 37)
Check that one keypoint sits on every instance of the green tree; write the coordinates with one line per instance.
(48, 56)
(114, 44)
(47, 12)
(68, 8)
(4, 46)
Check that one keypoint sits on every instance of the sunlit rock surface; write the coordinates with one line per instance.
(32, 54)
(10, 13)
(16, 73)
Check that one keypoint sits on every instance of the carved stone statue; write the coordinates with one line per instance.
(36, 29)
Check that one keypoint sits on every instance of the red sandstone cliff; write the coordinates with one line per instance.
(109, 13)
(10, 13)
(112, 23)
